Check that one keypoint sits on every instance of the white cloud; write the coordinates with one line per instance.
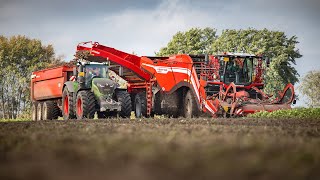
(141, 31)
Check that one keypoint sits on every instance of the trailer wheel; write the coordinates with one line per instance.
(85, 105)
(67, 105)
(190, 108)
(50, 110)
(34, 111)
(124, 98)
(39, 111)
(140, 105)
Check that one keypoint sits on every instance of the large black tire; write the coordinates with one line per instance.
(50, 110)
(39, 111)
(140, 105)
(190, 108)
(124, 98)
(68, 111)
(85, 105)
(34, 111)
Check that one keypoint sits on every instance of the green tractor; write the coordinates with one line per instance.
(91, 90)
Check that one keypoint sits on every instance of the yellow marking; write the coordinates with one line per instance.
(81, 74)
(188, 81)
(226, 108)
(226, 59)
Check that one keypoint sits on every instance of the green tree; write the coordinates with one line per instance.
(310, 87)
(193, 41)
(273, 44)
(19, 57)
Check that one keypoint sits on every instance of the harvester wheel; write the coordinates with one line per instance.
(140, 105)
(39, 111)
(85, 105)
(50, 110)
(67, 105)
(34, 111)
(190, 108)
(124, 98)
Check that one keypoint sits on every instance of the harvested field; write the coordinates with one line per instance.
(161, 149)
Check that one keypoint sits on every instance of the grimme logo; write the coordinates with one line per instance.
(162, 70)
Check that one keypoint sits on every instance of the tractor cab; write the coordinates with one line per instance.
(95, 70)
(87, 71)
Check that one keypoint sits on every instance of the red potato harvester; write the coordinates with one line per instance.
(228, 84)
(222, 85)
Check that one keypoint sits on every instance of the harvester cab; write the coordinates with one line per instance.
(241, 69)
(237, 69)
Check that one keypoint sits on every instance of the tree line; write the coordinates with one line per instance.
(19, 57)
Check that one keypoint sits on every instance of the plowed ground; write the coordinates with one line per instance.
(161, 149)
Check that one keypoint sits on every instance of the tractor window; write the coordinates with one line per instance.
(96, 70)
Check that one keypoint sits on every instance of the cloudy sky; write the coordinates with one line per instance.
(145, 26)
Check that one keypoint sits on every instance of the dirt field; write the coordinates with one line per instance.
(161, 149)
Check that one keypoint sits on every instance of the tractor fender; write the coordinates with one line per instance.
(69, 86)
(188, 86)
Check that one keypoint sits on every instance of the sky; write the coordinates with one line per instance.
(145, 26)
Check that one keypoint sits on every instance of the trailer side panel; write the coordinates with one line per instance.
(48, 83)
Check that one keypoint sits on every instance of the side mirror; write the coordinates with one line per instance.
(268, 61)
(75, 73)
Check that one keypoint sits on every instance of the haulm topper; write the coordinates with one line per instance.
(227, 85)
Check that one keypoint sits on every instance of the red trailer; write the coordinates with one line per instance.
(46, 90)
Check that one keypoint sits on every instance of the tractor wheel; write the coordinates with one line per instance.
(140, 105)
(50, 110)
(85, 105)
(67, 105)
(190, 108)
(124, 98)
(34, 111)
(39, 111)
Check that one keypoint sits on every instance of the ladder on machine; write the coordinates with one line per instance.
(149, 97)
